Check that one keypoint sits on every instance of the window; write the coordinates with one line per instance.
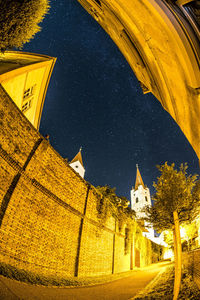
(137, 200)
(146, 198)
(26, 105)
(29, 92)
(27, 99)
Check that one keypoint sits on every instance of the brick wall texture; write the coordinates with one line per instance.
(191, 260)
(48, 218)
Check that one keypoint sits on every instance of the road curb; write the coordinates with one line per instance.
(149, 284)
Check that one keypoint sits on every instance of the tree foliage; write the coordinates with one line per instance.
(105, 205)
(19, 21)
(175, 191)
(111, 205)
(168, 237)
(176, 201)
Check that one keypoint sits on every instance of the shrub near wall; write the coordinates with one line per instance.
(49, 221)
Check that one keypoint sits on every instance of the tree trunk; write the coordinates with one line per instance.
(177, 254)
(175, 261)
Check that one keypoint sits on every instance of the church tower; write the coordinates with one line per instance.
(77, 164)
(140, 195)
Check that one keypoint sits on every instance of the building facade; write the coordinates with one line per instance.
(25, 77)
(140, 197)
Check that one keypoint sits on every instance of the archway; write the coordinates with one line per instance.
(161, 43)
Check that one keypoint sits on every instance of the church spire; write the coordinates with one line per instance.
(78, 157)
(77, 164)
(138, 180)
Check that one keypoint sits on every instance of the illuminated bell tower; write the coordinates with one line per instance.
(77, 164)
(140, 195)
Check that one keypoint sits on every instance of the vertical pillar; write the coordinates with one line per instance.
(113, 254)
(10, 191)
(131, 254)
(80, 235)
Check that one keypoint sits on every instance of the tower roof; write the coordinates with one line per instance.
(78, 157)
(138, 180)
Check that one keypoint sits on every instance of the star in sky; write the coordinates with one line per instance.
(95, 100)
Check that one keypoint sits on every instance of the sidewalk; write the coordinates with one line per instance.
(119, 289)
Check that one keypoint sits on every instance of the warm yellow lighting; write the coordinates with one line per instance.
(168, 253)
(182, 232)
(25, 77)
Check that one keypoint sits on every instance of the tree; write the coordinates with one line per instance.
(168, 237)
(19, 21)
(176, 201)
(108, 201)
(112, 205)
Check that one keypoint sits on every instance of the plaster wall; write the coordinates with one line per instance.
(25, 77)
(77, 166)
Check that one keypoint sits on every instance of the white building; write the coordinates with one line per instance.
(77, 164)
(140, 197)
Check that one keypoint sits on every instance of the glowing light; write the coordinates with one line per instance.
(168, 254)
(182, 232)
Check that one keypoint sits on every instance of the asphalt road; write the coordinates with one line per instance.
(121, 289)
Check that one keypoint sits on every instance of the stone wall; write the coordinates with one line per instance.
(48, 218)
(191, 260)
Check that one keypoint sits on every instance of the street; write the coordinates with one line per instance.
(121, 289)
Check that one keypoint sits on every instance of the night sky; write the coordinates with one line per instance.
(94, 100)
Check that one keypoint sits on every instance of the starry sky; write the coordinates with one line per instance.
(94, 100)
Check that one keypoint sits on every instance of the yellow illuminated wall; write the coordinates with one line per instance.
(49, 221)
(25, 78)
